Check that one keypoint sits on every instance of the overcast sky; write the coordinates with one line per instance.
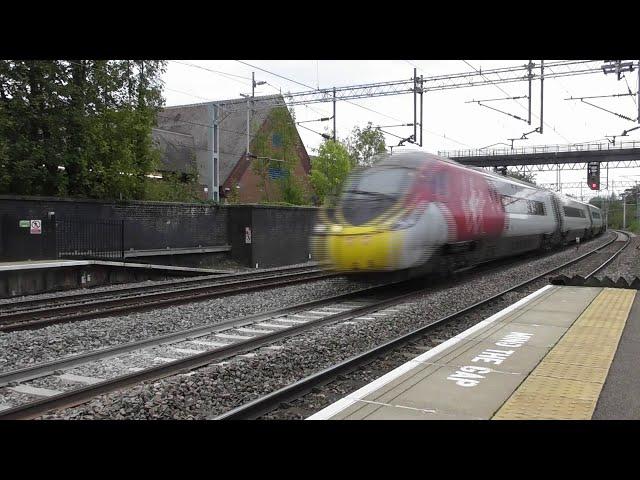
(449, 122)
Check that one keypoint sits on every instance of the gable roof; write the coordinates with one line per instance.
(177, 151)
(232, 125)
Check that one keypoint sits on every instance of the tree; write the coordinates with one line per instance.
(330, 168)
(525, 177)
(78, 127)
(364, 144)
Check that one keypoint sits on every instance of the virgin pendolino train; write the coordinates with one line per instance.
(422, 213)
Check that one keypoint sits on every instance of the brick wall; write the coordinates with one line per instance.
(279, 234)
(148, 225)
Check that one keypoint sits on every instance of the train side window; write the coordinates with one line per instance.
(535, 207)
(573, 212)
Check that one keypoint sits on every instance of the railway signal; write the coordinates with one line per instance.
(593, 175)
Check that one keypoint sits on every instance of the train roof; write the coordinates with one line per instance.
(416, 158)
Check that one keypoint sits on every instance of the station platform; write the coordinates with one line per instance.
(47, 264)
(562, 352)
(43, 276)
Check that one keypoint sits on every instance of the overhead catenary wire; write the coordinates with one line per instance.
(633, 96)
(189, 94)
(518, 102)
(312, 88)
(205, 125)
(452, 77)
(224, 74)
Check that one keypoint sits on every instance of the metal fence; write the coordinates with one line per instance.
(90, 239)
(532, 149)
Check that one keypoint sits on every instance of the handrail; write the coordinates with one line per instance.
(579, 147)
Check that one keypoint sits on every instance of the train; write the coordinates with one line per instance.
(418, 212)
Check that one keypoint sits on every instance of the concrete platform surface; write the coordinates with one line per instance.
(40, 264)
(546, 356)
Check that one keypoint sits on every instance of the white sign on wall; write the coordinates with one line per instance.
(36, 227)
(247, 234)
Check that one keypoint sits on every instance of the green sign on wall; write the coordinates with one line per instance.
(25, 223)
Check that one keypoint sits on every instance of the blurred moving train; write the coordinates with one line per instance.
(421, 213)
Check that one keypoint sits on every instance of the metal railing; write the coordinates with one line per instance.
(578, 147)
(90, 239)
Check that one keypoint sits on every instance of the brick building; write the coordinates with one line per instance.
(211, 139)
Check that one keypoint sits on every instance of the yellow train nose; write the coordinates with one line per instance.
(362, 250)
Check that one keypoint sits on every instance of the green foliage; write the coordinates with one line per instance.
(615, 209)
(330, 169)
(365, 144)
(172, 187)
(525, 177)
(283, 156)
(78, 128)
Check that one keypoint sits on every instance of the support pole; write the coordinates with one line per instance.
(541, 94)
(253, 88)
(248, 114)
(415, 102)
(421, 105)
(530, 66)
(214, 142)
(334, 114)
(624, 211)
(216, 155)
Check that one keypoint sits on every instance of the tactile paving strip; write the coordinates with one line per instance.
(567, 382)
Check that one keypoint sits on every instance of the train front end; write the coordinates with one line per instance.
(373, 226)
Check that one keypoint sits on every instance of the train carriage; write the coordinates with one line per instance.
(417, 211)
(597, 222)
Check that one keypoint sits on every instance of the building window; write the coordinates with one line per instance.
(276, 173)
(276, 140)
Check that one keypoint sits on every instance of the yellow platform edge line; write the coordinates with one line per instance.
(567, 382)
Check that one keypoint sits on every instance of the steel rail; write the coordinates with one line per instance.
(25, 304)
(610, 259)
(47, 368)
(267, 403)
(88, 310)
(83, 394)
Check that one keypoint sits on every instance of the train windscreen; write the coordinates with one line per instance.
(371, 193)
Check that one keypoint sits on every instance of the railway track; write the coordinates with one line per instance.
(64, 383)
(613, 257)
(42, 312)
(267, 403)
(128, 289)
(168, 354)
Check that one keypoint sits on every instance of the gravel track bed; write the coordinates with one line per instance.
(60, 293)
(7, 396)
(217, 388)
(28, 347)
(144, 283)
(626, 265)
(116, 366)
